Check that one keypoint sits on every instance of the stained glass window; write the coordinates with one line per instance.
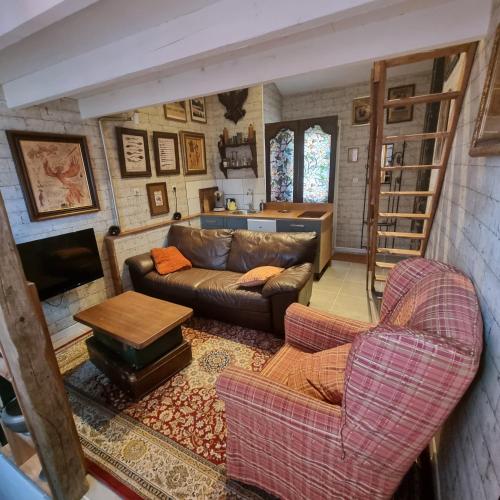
(281, 163)
(317, 149)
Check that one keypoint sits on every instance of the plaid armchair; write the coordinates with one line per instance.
(403, 378)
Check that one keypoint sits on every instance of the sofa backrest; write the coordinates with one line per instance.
(405, 376)
(250, 249)
(205, 248)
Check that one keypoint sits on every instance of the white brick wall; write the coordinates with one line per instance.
(466, 233)
(338, 101)
(63, 116)
(273, 103)
(60, 116)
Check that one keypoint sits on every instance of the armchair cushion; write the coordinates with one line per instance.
(314, 330)
(321, 375)
(290, 280)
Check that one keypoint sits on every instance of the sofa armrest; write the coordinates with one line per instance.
(315, 330)
(253, 393)
(289, 280)
(140, 264)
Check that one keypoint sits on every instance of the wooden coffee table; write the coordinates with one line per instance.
(137, 340)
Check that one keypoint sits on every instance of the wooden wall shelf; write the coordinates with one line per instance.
(223, 150)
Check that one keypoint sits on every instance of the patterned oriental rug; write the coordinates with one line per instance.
(171, 443)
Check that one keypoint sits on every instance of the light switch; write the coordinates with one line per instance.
(355, 180)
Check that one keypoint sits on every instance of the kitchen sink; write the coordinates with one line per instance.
(312, 214)
(243, 211)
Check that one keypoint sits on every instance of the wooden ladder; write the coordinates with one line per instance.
(406, 244)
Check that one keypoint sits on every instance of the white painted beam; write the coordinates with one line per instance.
(21, 18)
(386, 36)
(215, 29)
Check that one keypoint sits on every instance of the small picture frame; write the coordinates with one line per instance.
(175, 111)
(361, 110)
(193, 152)
(352, 155)
(198, 110)
(166, 149)
(157, 198)
(400, 113)
(486, 136)
(133, 152)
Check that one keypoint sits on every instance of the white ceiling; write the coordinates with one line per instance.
(341, 76)
(120, 55)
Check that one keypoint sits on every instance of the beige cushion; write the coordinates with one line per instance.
(258, 276)
(321, 375)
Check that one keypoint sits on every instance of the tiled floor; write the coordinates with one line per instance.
(342, 290)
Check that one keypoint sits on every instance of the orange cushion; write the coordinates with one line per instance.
(258, 276)
(168, 260)
(321, 375)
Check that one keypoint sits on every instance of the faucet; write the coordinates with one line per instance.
(251, 207)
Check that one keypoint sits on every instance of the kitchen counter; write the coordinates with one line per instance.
(273, 214)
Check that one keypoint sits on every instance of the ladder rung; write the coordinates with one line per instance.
(399, 251)
(414, 137)
(406, 193)
(411, 167)
(380, 277)
(396, 234)
(402, 215)
(385, 265)
(417, 99)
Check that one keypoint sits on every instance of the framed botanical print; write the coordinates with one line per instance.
(198, 110)
(193, 153)
(133, 152)
(55, 174)
(400, 113)
(176, 111)
(157, 198)
(486, 136)
(361, 110)
(166, 148)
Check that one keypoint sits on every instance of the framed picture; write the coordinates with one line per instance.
(400, 113)
(198, 110)
(361, 110)
(193, 153)
(352, 155)
(486, 136)
(157, 198)
(55, 174)
(133, 152)
(166, 148)
(175, 111)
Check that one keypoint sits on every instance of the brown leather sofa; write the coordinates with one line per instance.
(219, 258)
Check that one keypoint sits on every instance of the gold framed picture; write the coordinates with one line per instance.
(55, 174)
(361, 110)
(486, 136)
(175, 111)
(193, 152)
(198, 110)
(157, 198)
(400, 113)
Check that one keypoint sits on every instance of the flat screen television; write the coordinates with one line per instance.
(60, 263)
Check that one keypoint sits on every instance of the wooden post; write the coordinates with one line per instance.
(37, 382)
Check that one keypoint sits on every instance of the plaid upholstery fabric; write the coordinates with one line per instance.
(321, 375)
(313, 330)
(402, 278)
(401, 382)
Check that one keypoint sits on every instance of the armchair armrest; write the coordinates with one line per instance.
(140, 264)
(315, 330)
(290, 280)
(253, 393)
